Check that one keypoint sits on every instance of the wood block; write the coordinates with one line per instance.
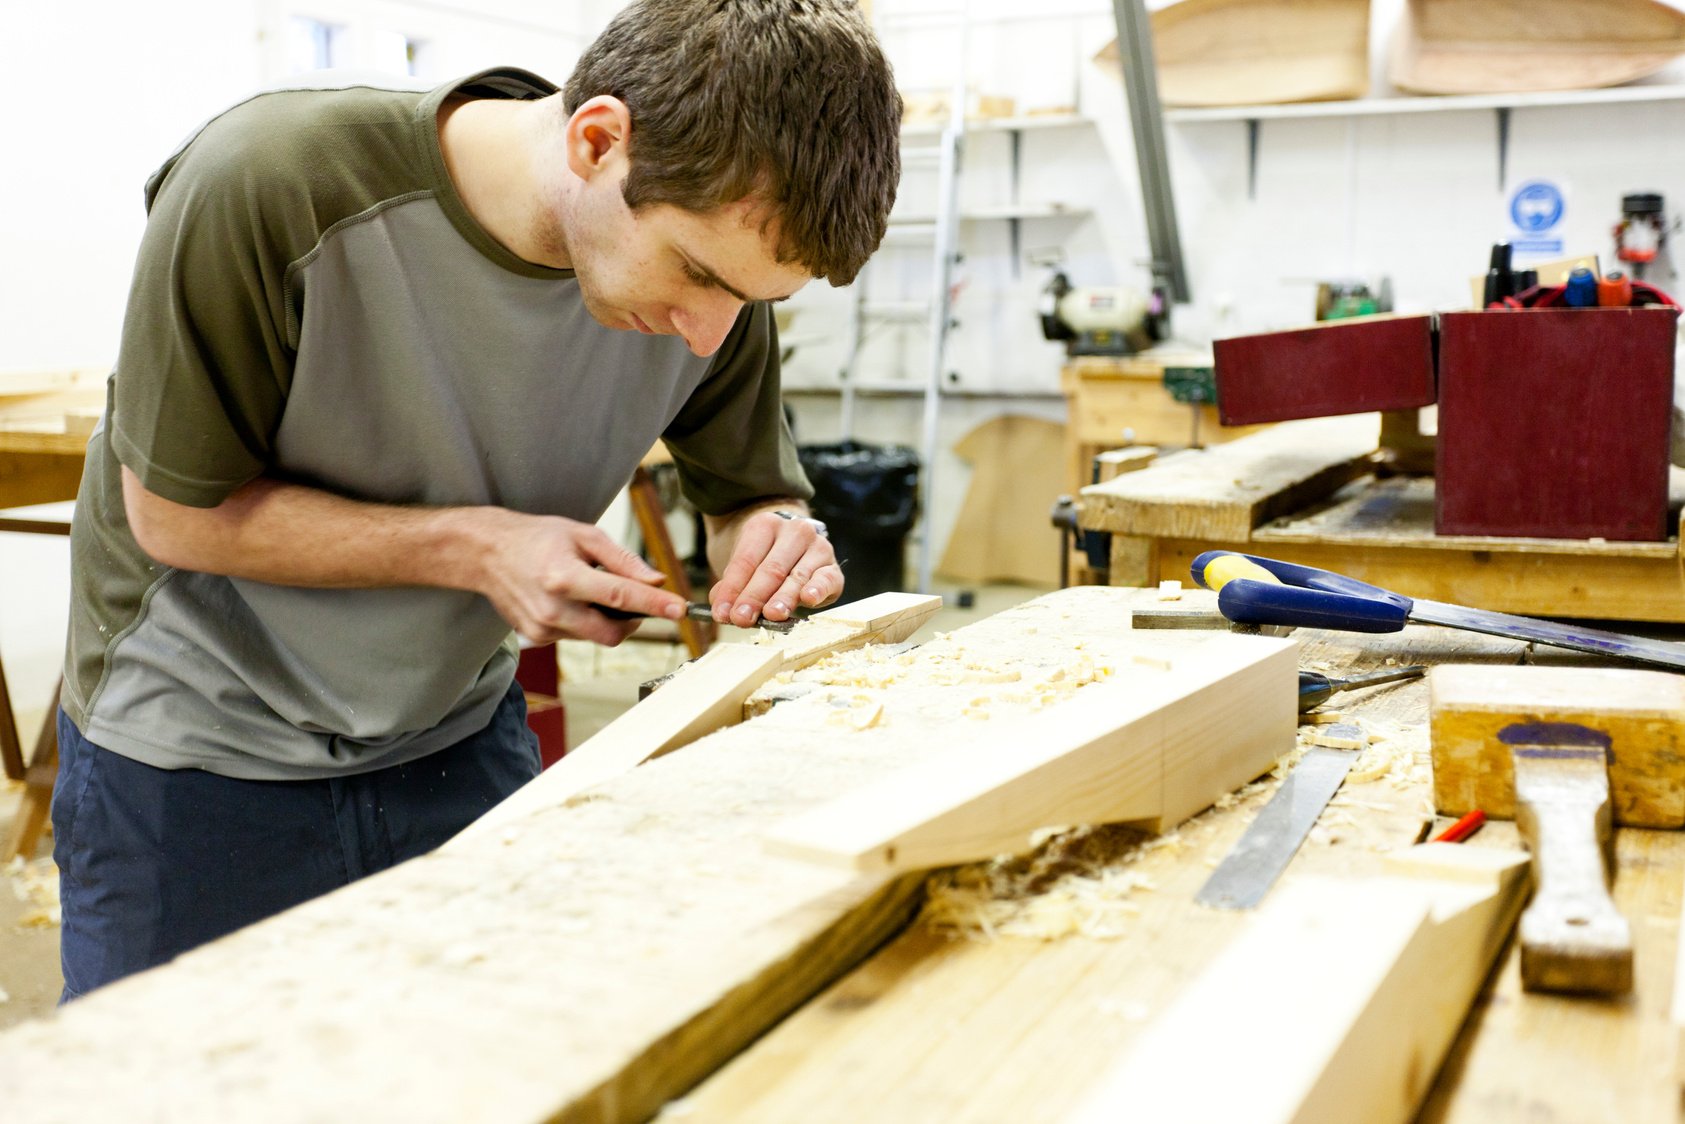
(1337, 367)
(1555, 423)
(1642, 712)
(1338, 1002)
(1153, 746)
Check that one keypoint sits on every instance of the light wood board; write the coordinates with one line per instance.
(1361, 984)
(1192, 716)
(708, 694)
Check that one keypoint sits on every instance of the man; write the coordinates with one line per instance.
(387, 358)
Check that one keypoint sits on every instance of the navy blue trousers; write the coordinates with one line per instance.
(153, 862)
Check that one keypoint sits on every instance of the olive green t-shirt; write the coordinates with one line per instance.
(313, 302)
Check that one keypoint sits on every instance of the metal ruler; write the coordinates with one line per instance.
(1248, 871)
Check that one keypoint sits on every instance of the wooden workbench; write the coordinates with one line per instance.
(45, 420)
(1308, 492)
(598, 959)
(1117, 401)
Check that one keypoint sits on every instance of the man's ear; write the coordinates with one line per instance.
(598, 135)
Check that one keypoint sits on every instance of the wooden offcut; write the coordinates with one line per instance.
(1004, 531)
(1338, 367)
(1338, 1003)
(1509, 46)
(1159, 742)
(708, 694)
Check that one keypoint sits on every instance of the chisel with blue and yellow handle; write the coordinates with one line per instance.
(1254, 590)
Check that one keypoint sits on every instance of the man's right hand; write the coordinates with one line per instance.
(541, 573)
(545, 573)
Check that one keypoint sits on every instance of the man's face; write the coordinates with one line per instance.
(666, 271)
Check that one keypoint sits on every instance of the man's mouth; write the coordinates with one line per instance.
(638, 323)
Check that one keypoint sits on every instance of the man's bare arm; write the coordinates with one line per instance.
(539, 572)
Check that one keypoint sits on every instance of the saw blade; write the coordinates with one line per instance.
(1260, 855)
(1659, 653)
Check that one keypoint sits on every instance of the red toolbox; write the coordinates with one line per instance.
(1553, 423)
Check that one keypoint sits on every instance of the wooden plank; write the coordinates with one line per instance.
(1363, 984)
(1529, 1057)
(1199, 717)
(1223, 492)
(583, 964)
(708, 694)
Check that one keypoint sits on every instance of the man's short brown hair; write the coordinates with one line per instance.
(788, 100)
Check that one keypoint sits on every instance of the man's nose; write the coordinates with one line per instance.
(704, 324)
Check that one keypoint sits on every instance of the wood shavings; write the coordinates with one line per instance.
(4, 997)
(36, 884)
(1078, 884)
(1341, 735)
(1322, 718)
(1157, 663)
(1169, 590)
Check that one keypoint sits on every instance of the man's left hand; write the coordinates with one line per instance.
(778, 563)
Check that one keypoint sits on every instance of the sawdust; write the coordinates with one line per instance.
(1080, 882)
(36, 884)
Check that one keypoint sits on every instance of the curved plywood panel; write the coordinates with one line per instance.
(1511, 46)
(1258, 52)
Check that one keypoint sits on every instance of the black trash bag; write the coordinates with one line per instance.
(868, 498)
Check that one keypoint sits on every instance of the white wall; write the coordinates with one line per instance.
(113, 86)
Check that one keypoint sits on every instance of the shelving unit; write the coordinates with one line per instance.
(1500, 104)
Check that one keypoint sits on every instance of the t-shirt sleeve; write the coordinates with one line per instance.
(730, 441)
(204, 362)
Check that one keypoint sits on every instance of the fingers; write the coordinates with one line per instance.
(779, 564)
(556, 575)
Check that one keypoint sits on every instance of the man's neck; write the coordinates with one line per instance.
(490, 147)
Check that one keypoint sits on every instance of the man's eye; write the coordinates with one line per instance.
(697, 275)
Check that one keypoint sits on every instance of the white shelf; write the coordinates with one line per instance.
(990, 214)
(1369, 107)
(1000, 124)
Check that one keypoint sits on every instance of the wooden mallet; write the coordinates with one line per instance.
(1566, 752)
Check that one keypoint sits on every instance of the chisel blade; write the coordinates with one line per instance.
(1659, 653)
(1249, 870)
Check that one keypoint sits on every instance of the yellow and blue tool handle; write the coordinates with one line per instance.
(1253, 590)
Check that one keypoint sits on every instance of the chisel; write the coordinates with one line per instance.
(702, 611)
